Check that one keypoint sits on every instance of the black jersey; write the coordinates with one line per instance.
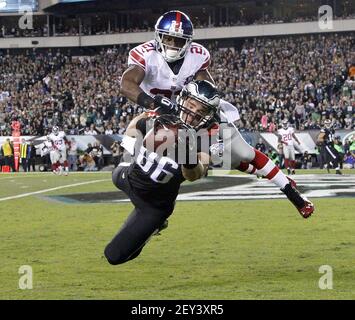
(154, 178)
(328, 136)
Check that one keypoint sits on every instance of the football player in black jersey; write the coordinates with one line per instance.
(328, 153)
(153, 180)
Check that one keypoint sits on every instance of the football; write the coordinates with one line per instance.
(161, 138)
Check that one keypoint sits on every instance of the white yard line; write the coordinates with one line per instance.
(51, 189)
(21, 175)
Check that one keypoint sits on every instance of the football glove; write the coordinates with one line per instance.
(164, 105)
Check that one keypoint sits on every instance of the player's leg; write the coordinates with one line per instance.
(241, 152)
(134, 234)
(286, 151)
(142, 223)
(64, 161)
(334, 157)
(24, 164)
(292, 158)
(53, 159)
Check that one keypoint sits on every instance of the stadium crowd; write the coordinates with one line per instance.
(101, 26)
(302, 78)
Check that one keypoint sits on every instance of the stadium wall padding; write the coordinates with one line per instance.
(307, 138)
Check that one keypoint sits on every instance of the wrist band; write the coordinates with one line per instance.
(145, 100)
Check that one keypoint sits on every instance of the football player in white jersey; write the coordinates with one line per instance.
(158, 70)
(59, 143)
(286, 135)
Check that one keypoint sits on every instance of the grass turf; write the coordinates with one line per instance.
(212, 250)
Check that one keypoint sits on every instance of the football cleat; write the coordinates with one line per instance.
(302, 204)
(338, 172)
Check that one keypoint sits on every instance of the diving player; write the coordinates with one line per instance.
(158, 70)
(152, 181)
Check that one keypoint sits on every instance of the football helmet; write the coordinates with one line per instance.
(207, 95)
(285, 124)
(327, 123)
(55, 130)
(175, 24)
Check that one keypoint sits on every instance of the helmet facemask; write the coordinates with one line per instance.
(195, 119)
(55, 130)
(172, 53)
(327, 124)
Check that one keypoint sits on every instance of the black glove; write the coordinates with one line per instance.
(164, 105)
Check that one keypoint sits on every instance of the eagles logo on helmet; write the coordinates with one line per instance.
(204, 113)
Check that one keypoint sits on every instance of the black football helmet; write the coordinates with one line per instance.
(207, 94)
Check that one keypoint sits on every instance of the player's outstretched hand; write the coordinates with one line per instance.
(164, 105)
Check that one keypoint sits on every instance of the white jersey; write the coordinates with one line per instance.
(286, 135)
(58, 140)
(45, 148)
(159, 78)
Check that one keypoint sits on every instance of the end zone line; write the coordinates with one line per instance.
(51, 189)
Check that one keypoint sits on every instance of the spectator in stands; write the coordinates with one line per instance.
(117, 152)
(8, 152)
(269, 79)
(349, 160)
(306, 160)
(87, 162)
(261, 146)
(31, 162)
(97, 153)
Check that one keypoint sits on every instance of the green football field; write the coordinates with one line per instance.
(225, 249)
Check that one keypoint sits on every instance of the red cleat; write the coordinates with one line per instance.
(302, 204)
(307, 210)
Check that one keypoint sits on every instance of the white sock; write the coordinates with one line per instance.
(280, 180)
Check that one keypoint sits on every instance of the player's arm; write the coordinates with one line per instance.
(130, 87)
(279, 138)
(132, 129)
(204, 75)
(321, 137)
(196, 171)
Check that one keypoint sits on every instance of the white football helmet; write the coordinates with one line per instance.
(55, 130)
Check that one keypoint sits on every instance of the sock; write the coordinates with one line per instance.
(247, 167)
(292, 164)
(66, 165)
(268, 169)
(287, 164)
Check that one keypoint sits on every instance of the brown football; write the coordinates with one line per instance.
(161, 138)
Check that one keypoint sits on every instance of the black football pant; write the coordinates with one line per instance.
(332, 156)
(140, 225)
